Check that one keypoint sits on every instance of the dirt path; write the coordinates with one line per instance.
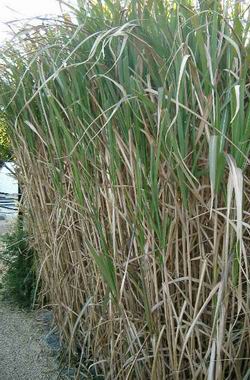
(22, 355)
(23, 352)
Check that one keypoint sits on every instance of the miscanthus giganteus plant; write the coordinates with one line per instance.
(131, 122)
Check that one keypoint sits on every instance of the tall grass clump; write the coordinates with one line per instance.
(131, 125)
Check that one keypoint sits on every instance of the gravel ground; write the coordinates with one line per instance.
(22, 355)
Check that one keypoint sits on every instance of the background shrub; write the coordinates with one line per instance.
(19, 279)
(5, 146)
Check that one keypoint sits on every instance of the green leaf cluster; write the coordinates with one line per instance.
(5, 145)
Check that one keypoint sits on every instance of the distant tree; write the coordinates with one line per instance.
(5, 147)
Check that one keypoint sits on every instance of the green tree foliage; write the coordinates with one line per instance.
(5, 147)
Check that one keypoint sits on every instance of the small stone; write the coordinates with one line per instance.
(53, 341)
(45, 316)
(68, 373)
